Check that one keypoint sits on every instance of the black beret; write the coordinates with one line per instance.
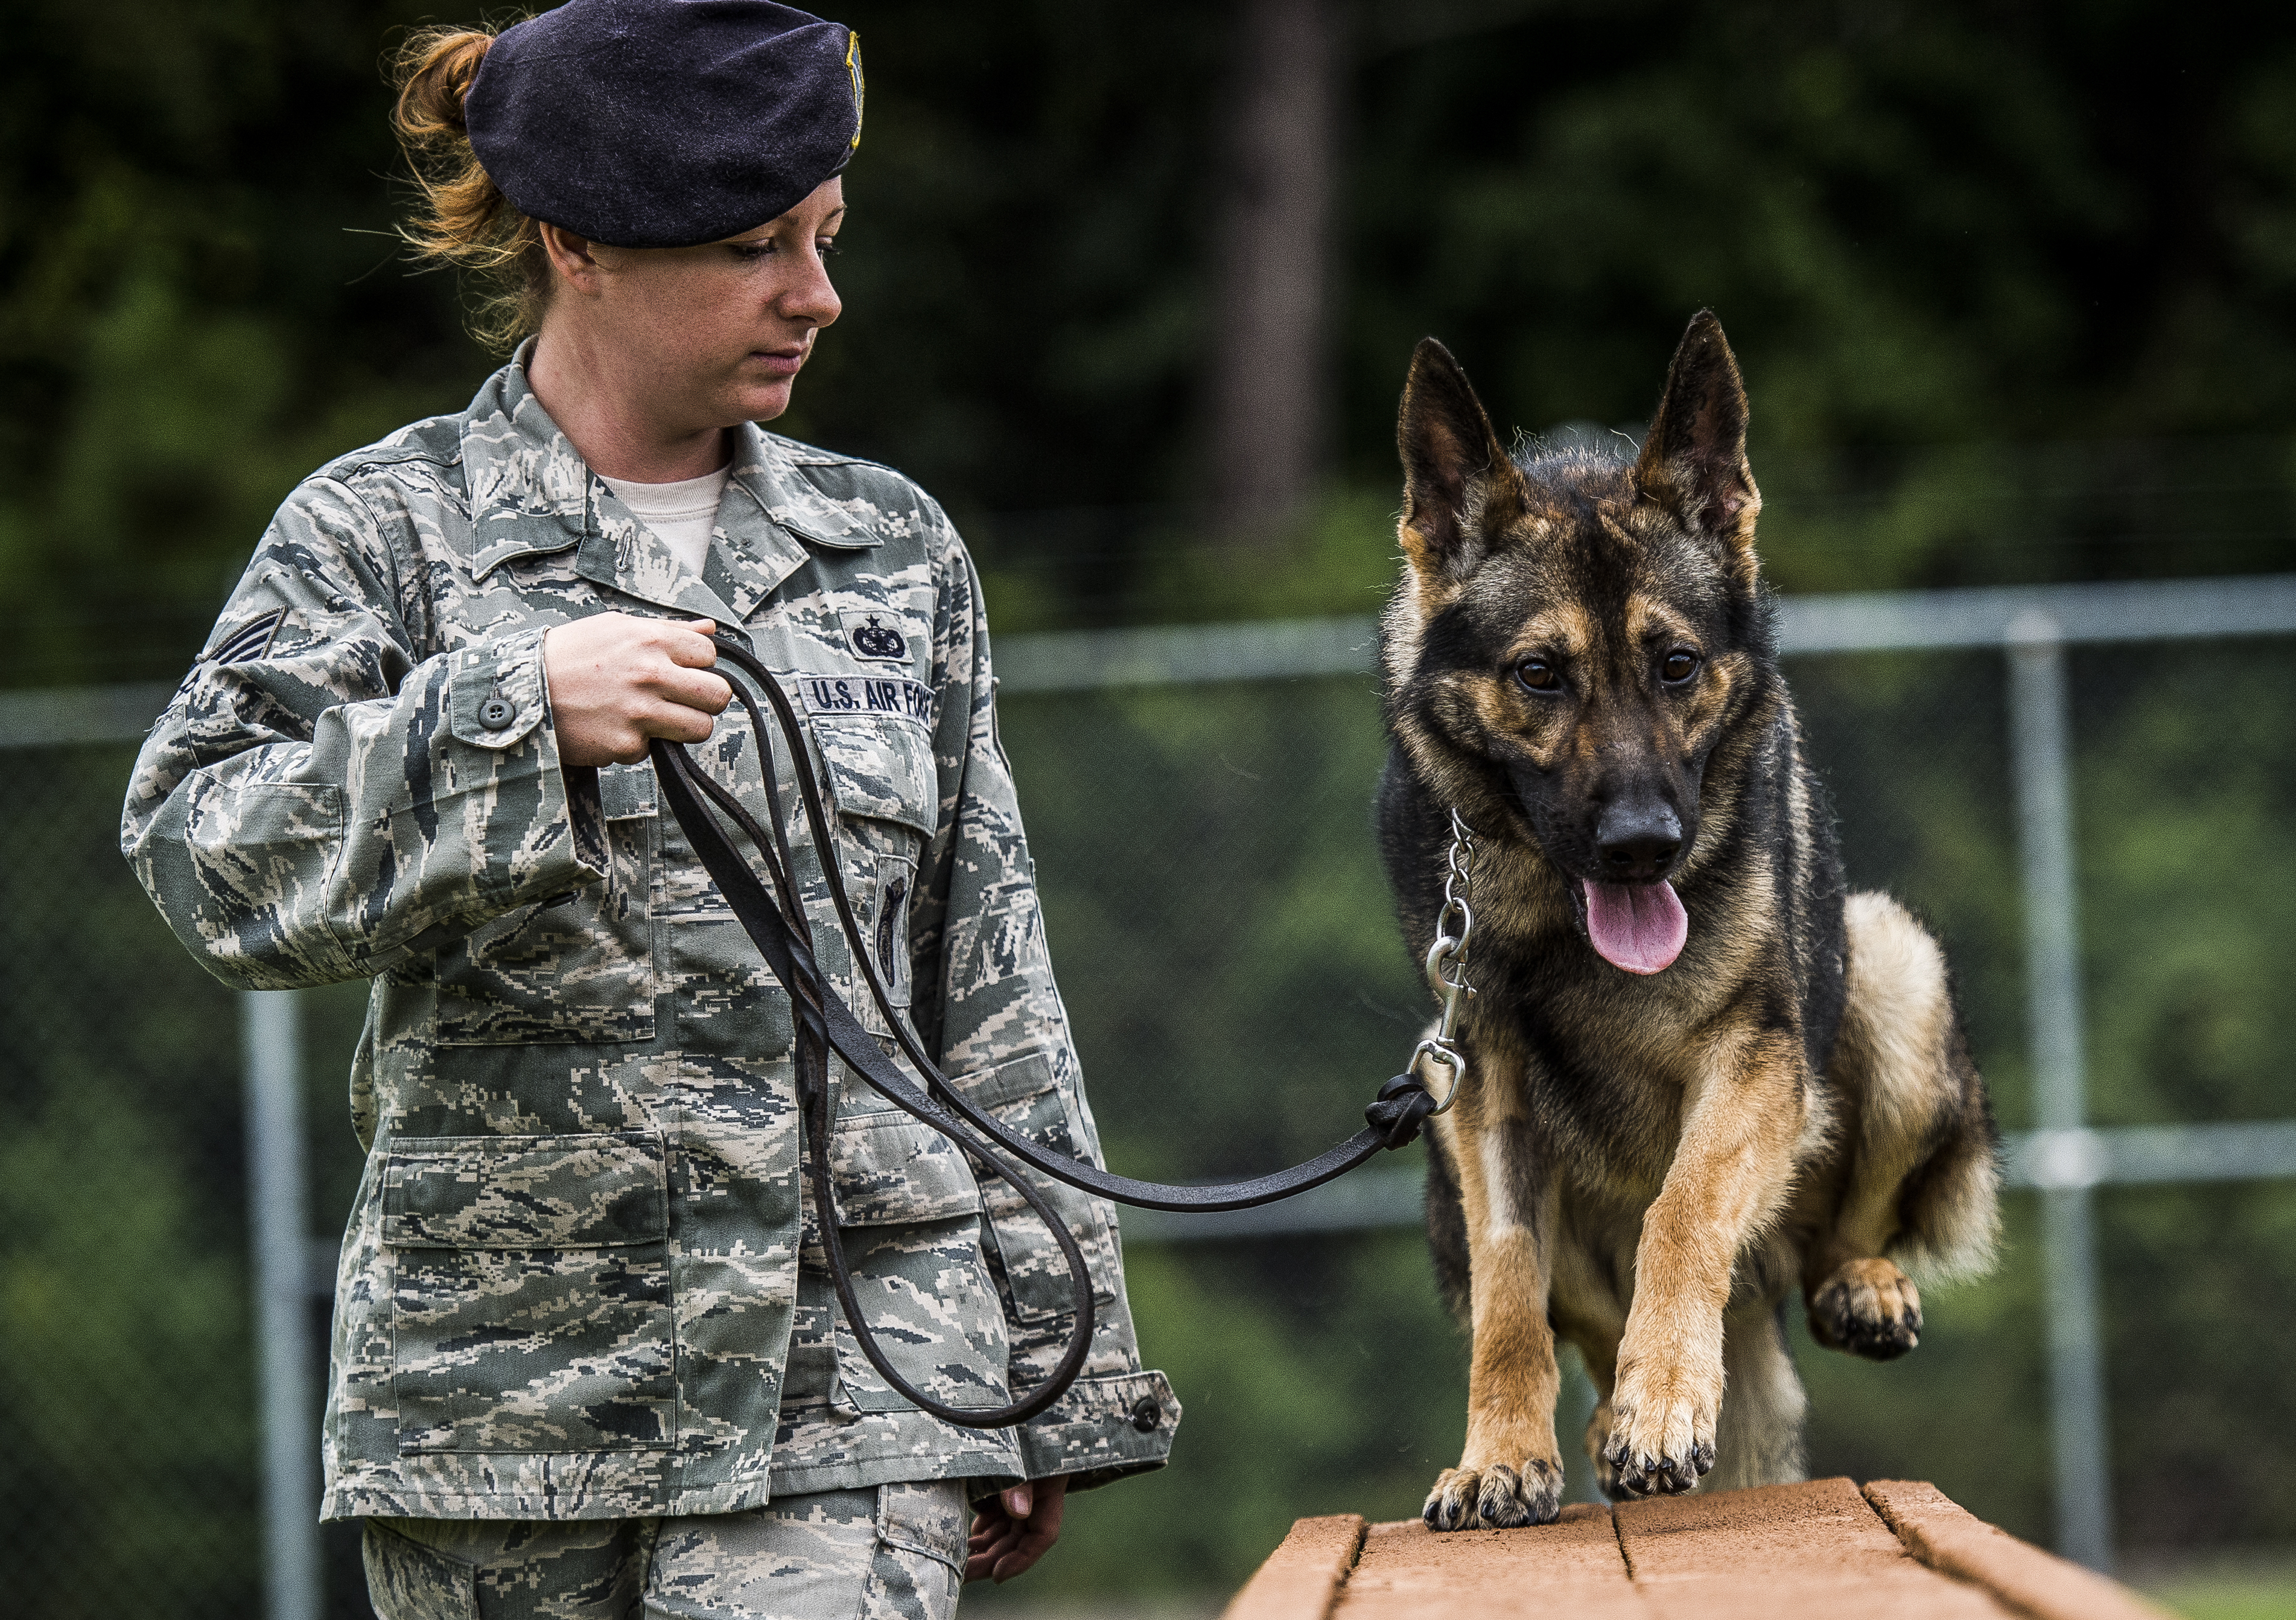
(664, 123)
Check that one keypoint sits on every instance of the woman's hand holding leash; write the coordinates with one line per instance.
(618, 681)
(1016, 1529)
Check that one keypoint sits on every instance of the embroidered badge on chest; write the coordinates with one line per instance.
(873, 638)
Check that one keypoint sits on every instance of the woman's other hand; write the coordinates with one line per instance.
(618, 681)
(1016, 1530)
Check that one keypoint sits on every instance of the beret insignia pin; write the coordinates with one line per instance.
(853, 66)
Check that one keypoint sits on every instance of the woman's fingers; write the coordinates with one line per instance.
(678, 722)
(689, 648)
(689, 644)
(1022, 1557)
(995, 1533)
(692, 688)
(1019, 1529)
(617, 680)
(983, 1552)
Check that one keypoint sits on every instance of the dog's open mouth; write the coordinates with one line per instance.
(1638, 927)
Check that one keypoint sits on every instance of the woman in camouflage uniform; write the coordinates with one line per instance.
(586, 1359)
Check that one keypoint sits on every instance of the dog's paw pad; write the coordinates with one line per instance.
(1606, 1478)
(1866, 1308)
(1496, 1497)
(1451, 1504)
(1598, 1448)
(1636, 1473)
(1626, 1469)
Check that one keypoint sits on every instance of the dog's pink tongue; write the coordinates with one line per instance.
(1641, 927)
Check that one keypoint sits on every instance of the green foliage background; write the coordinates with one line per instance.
(2013, 287)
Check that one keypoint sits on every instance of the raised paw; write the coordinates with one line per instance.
(1496, 1497)
(1663, 1454)
(1867, 1308)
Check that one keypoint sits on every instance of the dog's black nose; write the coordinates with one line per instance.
(1637, 842)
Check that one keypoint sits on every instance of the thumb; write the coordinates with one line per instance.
(1019, 1501)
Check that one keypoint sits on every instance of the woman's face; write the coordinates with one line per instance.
(709, 336)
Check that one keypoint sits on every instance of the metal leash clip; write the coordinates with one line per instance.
(1446, 969)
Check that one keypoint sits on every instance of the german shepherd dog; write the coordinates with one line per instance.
(1698, 1072)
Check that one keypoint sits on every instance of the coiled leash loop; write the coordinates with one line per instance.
(777, 925)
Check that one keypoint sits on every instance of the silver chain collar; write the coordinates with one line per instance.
(1446, 968)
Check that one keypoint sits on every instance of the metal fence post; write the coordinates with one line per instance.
(271, 1047)
(2041, 759)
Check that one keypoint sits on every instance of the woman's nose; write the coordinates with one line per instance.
(813, 300)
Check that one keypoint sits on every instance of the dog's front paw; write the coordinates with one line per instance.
(1496, 1497)
(1657, 1447)
(1867, 1308)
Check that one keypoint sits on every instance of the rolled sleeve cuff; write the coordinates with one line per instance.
(1102, 1429)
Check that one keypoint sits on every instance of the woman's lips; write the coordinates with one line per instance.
(781, 362)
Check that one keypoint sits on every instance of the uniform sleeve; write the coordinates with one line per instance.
(316, 799)
(988, 1008)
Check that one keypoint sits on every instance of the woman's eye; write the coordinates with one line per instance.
(749, 252)
(1538, 674)
(1680, 665)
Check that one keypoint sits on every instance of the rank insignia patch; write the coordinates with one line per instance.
(250, 641)
(872, 638)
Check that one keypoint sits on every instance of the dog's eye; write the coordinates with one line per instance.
(1680, 665)
(1538, 674)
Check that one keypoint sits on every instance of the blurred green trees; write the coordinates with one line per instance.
(1927, 228)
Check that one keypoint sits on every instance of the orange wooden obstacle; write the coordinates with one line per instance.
(1895, 1550)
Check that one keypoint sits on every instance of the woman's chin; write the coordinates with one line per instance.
(764, 401)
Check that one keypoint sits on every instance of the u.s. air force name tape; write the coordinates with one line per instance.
(834, 695)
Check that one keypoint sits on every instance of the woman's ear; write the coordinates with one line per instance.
(1458, 486)
(572, 258)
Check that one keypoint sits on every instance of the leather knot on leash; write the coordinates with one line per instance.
(1403, 1105)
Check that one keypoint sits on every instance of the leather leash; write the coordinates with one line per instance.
(777, 925)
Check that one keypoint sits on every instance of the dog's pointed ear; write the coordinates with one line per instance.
(1693, 459)
(1458, 486)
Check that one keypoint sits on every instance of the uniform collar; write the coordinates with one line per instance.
(531, 492)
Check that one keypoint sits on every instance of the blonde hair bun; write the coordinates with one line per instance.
(464, 220)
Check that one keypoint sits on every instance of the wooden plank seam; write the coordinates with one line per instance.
(1953, 1540)
(1301, 1578)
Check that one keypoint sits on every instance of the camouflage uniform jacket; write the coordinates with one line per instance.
(582, 1279)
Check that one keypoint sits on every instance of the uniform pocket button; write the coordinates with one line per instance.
(494, 714)
(1147, 1415)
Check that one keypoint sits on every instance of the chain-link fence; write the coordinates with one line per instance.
(1226, 949)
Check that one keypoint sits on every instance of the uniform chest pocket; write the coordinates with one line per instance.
(576, 967)
(529, 1292)
(886, 789)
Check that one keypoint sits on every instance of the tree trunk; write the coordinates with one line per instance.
(1273, 288)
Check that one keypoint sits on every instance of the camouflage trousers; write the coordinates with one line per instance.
(890, 1552)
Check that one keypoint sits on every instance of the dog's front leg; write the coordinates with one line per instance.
(1510, 1472)
(1731, 1171)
